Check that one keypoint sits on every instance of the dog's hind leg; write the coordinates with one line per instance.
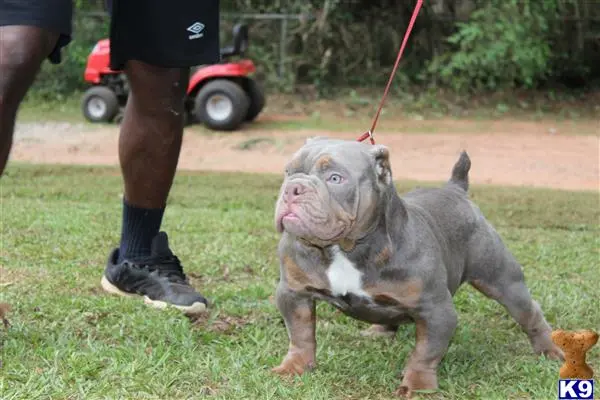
(495, 272)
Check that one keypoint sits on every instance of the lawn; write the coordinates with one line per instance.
(70, 340)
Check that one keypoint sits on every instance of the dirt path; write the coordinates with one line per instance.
(508, 153)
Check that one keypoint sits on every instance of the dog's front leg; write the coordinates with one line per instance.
(435, 327)
(300, 320)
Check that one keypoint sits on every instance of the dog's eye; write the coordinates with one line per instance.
(335, 178)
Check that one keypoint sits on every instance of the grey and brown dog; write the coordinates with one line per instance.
(349, 239)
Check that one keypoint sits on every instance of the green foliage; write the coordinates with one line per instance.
(498, 44)
(502, 44)
(55, 82)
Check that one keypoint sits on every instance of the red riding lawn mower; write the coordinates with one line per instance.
(221, 96)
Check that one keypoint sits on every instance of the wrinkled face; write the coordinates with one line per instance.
(331, 189)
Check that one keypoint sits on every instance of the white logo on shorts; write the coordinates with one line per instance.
(197, 29)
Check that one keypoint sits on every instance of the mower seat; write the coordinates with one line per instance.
(240, 42)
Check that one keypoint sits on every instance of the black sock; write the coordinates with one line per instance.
(140, 226)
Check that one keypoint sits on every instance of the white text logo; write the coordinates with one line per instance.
(575, 389)
(196, 29)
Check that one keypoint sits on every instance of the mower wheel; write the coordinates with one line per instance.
(221, 105)
(257, 99)
(100, 104)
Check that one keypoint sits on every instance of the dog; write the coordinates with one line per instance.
(349, 239)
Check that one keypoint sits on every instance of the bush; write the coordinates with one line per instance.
(505, 44)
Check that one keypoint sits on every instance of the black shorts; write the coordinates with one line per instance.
(175, 33)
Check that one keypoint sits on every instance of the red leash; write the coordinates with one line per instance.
(369, 133)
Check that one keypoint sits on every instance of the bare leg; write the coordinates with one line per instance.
(152, 132)
(300, 321)
(22, 51)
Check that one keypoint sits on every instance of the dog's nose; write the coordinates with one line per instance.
(294, 190)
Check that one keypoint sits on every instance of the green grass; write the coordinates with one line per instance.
(69, 340)
(36, 110)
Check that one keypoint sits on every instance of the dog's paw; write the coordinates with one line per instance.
(554, 353)
(294, 363)
(416, 380)
(543, 345)
(379, 331)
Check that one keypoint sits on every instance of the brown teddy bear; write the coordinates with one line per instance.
(575, 344)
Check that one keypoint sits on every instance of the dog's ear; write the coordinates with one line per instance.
(381, 161)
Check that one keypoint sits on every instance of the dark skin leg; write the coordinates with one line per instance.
(23, 49)
(152, 132)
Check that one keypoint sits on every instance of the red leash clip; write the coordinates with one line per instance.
(369, 133)
(365, 135)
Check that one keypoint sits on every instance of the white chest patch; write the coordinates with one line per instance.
(343, 276)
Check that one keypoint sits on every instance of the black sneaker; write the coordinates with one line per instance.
(159, 278)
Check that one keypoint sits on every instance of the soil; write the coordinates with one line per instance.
(503, 152)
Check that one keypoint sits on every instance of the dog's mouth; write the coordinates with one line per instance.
(287, 216)
(294, 223)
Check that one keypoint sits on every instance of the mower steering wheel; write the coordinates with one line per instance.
(240, 38)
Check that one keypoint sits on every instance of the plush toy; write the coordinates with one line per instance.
(575, 344)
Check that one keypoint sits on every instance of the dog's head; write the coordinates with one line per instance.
(331, 190)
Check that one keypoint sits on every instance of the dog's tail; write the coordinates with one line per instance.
(460, 172)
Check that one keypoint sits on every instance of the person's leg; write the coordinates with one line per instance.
(157, 66)
(29, 33)
(149, 146)
(22, 50)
